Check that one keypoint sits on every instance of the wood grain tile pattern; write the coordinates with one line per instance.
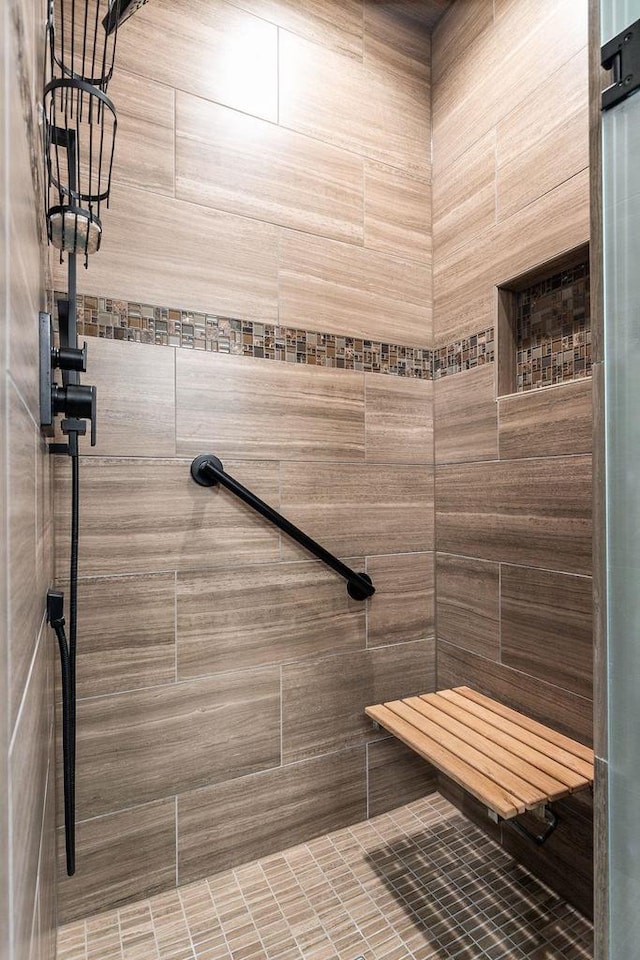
(466, 416)
(468, 604)
(546, 626)
(547, 423)
(128, 633)
(120, 857)
(397, 212)
(398, 419)
(464, 205)
(136, 390)
(324, 700)
(353, 291)
(401, 609)
(211, 49)
(327, 503)
(459, 28)
(336, 25)
(266, 614)
(529, 512)
(395, 775)
(145, 144)
(164, 520)
(557, 112)
(258, 409)
(230, 262)
(361, 107)
(565, 711)
(252, 168)
(235, 822)
(25, 608)
(396, 44)
(154, 743)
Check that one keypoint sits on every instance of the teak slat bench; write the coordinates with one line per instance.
(509, 762)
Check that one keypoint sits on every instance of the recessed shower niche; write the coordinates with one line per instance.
(544, 326)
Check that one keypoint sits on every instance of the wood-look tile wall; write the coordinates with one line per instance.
(27, 781)
(222, 672)
(272, 164)
(273, 160)
(513, 475)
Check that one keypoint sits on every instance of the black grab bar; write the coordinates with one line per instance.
(207, 470)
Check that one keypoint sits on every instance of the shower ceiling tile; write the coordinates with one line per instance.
(148, 744)
(206, 47)
(399, 420)
(258, 409)
(360, 510)
(246, 166)
(401, 609)
(264, 614)
(141, 516)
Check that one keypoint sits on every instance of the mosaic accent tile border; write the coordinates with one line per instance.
(124, 320)
(473, 351)
(553, 330)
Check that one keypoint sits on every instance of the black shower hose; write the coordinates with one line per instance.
(68, 675)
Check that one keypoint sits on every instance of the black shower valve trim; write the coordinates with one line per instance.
(76, 401)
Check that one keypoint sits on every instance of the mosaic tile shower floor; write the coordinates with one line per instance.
(419, 883)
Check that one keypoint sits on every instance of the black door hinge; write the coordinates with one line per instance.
(622, 56)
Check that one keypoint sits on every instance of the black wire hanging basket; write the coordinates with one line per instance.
(79, 118)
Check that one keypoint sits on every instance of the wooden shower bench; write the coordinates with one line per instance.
(509, 762)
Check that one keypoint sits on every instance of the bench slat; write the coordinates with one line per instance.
(508, 752)
(486, 790)
(572, 747)
(539, 753)
(527, 794)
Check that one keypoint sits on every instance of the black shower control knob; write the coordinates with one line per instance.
(70, 358)
(77, 400)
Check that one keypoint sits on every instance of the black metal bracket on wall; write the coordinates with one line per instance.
(208, 471)
(544, 813)
(621, 55)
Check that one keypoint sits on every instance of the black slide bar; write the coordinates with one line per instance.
(207, 470)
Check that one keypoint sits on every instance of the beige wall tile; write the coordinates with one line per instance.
(210, 48)
(342, 289)
(464, 204)
(362, 107)
(136, 398)
(399, 419)
(547, 423)
(396, 43)
(27, 769)
(238, 406)
(530, 160)
(159, 250)
(397, 213)
(396, 775)
(464, 296)
(150, 744)
(546, 626)
(145, 142)
(336, 25)
(466, 416)
(26, 609)
(568, 713)
(235, 822)
(234, 162)
(469, 604)
(535, 512)
(323, 700)
(121, 857)
(359, 510)
(456, 31)
(271, 613)
(165, 521)
(402, 607)
(128, 633)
